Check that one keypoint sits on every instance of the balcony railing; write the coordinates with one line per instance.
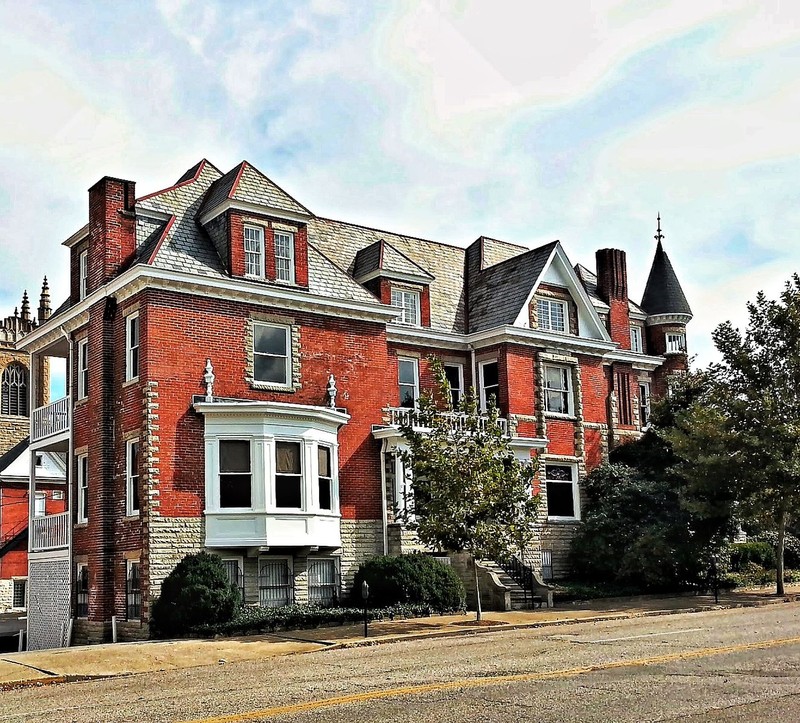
(49, 420)
(402, 415)
(50, 532)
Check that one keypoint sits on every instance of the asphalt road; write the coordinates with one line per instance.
(731, 665)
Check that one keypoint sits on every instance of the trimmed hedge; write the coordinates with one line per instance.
(255, 620)
(196, 592)
(414, 579)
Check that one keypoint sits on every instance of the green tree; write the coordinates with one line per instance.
(746, 427)
(469, 492)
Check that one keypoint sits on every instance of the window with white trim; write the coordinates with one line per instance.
(275, 583)
(644, 404)
(325, 477)
(132, 477)
(636, 339)
(454, 373)
(407, 305)
(40, 504)
(132, 346)
(288, 475)
(83, 369)
(563, 501)
(676, 343)
(83, 274)
(272, 354)
(254, 251)
(284, 256)
(558, 389)
(408, 381)
(551, 314)
(490, 383)
(235, 474)
(323, 580)
(83, 488)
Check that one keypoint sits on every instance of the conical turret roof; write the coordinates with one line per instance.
(663, 293)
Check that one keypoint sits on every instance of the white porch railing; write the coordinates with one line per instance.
(400, 415)
(50, 532)
(50, 419)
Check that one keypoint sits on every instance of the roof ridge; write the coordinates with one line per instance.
(518, 256)
(411, 261)
(283, 191)
(393, 233)
(200, 167)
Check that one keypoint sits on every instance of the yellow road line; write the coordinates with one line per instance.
(489, 680)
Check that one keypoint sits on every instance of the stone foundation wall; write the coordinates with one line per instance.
(403, 541)
(494, 595)
(361, 539)
(170, 540)
(6, 595)
(557, 537)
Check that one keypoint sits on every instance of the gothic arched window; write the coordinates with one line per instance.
(14, 390)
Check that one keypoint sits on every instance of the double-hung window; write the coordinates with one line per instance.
(288, 475)
(636, 339)
(408, 381)
(562, 491)
(676, 343)
(407, 305)
(490, 383)
(644, 404)
(272, 356)
(132, 347)
(324, 477)
(254, 251)
(83, 369)
(235, 474)
(551, 315)
(132, 477)
(83, 274)
(454, 373)
(558, 389)
(284, 256)
(83, 488)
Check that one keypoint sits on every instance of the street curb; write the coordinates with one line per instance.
(552, 623)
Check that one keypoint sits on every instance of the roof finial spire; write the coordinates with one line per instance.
(659, 236)
(26, 307)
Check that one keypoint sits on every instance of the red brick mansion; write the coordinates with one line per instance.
(237, 367)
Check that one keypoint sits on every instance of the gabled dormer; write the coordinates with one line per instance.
(396, 280)
(259, 230)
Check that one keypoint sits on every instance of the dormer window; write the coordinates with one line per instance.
(254, 251)
(551, 315)
(407, 305)
(284, 256)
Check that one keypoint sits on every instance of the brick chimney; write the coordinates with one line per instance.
(612, 287)
(112, 229)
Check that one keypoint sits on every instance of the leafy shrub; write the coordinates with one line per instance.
(256, 620)
(414, 579)
(791, 547)
(196, 592)
(757, 553)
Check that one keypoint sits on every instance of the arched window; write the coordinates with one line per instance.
(14, 390)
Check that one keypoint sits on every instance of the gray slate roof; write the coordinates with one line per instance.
(382, 256)
(498, 293)
(663, 293)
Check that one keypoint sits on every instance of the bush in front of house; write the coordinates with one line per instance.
(743, 554)
(414, 579)
(252, 620)
(196, 592)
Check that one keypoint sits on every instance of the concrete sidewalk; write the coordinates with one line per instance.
(64, 664)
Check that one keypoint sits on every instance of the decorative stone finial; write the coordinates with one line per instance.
(208, 378)
(332, 391)
(44, 302)
(26, 307)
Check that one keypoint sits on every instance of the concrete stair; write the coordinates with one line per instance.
(519, 600)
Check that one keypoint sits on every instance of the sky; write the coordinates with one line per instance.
(526, 121)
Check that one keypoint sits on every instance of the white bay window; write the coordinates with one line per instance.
(271, 474)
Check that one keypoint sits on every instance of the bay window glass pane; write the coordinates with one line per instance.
(234, 455)
(491, 377)
(407, 372)
(287, 457)
(325, 478)
(288, 477)
(235, 479)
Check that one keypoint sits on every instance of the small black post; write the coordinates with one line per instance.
(715, 573)
(365, 595)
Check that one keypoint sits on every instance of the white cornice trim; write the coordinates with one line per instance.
(400, 334)
(246, 206)
(77, 237)
(577, 344)
(280, 410)
(638, 361)
(141, 276)
(395, 275)
(655, 319)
